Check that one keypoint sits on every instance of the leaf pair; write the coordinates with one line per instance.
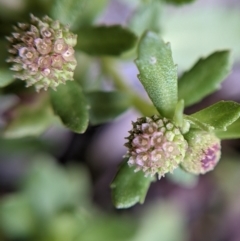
(158, 74)
(223, 117)
(75, 108)
(93, 40)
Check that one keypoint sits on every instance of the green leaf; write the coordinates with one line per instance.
(70, 105)
(177, 2)
(105, 40)
(50, 188)
(158, 74)
(6, 77)
(68, 11)
(13, 148)
(4, 45)
(108, 228)
(204, 77)
(219, 115)
(64, 226)
(147, 17)
(92, 10)
(16, 217)
(105, 106)
(195, 123)
(29, 120)
(159, 219)
(232, 132)
(129, 187)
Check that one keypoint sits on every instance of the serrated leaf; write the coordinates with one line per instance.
(204, 77)
(70, 105)
(105, 106)
(105, 40)
(6, 77)
(232, 132)
(129, 187)
(158, 74)
(68, 11)
(219, 115)
(29, 120)
(178, 2)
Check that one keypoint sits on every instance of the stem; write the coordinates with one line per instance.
(109, 68)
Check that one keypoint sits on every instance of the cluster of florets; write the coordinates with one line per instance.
(155, 145)
(203, 153)
(42, 53)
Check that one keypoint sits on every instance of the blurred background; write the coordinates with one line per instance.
(55, 186)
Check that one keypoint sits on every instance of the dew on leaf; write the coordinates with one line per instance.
(153, 60)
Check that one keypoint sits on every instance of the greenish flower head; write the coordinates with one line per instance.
(155, 145)
(42, 53)
(203, 153)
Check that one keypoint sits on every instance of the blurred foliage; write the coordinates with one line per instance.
(146, 16)
(54, 203)
(29, 119)
(5, 77)
(199, 31)
(105, 106)
(179, 1)
(111, 40)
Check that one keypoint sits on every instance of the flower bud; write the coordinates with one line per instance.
(155, 145)
(203, 153)
(42, 53)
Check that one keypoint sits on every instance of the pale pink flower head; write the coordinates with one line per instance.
(203, 153)
(155, 145)
(42, 53)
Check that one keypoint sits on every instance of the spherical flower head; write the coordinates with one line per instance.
(42, 53)
(155, 145)
(203, 153)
